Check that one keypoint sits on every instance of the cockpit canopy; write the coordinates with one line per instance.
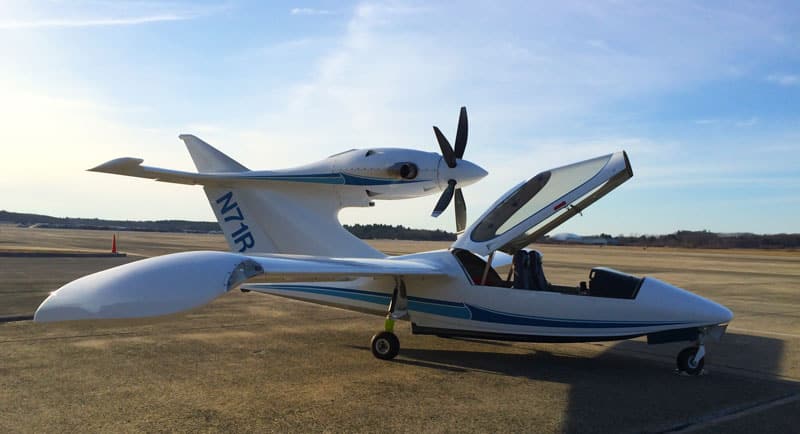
(533, 208)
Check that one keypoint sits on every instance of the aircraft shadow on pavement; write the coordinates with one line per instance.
(632, 384)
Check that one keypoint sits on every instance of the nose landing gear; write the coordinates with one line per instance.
(688, 361)
(692, 359)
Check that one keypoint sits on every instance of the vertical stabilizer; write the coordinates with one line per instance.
(236, 216)
(239, 220)
(208, 159)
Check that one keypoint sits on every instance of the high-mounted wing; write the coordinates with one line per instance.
(129, 166)
(180, 281)
(534, 208)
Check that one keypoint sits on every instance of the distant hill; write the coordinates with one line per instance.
(686, 239)
(114, 225)
(374, 231)
(711, 240)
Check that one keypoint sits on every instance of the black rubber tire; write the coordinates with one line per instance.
(685, 361)
(385, 345)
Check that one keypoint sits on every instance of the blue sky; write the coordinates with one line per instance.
(705, 97)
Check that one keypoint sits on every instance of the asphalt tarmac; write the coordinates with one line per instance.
(254, 363)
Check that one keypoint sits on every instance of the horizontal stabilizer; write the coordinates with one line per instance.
(213, 165)
(133, 167)
(172, 283)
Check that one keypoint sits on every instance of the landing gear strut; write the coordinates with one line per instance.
(385, 345)
(692, 359)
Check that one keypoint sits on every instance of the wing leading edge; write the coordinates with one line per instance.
(172, 283)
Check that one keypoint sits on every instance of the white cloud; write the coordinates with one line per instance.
(357, 89)
(784, 79)
(384, 82)
(543, 85)
(52, 139)
(706, 121)
(90, 22)
(310, 11)
(753, 120)
(22, 15)
(749, 122)
(599, 44)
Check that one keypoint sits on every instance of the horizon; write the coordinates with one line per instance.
(705, 100)
(551, 234)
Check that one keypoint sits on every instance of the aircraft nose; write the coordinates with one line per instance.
(466, 173)
(719, 314)
(682, 305)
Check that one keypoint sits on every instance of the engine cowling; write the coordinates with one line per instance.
(403, 170)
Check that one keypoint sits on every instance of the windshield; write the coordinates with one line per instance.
(342, 153)
(540, 192)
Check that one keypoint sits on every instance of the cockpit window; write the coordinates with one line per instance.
(475, 266)
(535, 195)
(342, 153)
(536, 206)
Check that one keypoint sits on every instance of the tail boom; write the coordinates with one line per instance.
(258, 217)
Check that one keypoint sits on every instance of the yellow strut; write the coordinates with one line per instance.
(388, 324)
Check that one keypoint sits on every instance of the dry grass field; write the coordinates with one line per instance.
(255, 363)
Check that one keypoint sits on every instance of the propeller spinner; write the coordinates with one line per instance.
(460, 171)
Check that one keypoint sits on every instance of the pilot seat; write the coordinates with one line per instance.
(528, 272)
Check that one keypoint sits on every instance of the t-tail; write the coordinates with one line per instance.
(256, 215)
(237, 220)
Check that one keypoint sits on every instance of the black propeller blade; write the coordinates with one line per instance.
(445, 198)
(461, 133)
(461, 211)
(450, 155)
(447, 150)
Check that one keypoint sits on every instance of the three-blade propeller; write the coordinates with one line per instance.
(451, 156)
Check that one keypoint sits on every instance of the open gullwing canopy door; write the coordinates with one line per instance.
(535, 207)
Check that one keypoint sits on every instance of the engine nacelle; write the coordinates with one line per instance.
(403, 170)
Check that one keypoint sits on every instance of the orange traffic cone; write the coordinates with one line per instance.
(114, 243)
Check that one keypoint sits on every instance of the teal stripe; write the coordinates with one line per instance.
(334, 178)
(460, 310)
(366, 296)
(439, 309)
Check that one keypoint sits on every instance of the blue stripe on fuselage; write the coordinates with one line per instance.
(438, 307)
(453, 309)
(352, 294)
(334, 178)
(488, 315)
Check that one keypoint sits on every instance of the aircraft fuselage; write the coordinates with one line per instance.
(457, 305)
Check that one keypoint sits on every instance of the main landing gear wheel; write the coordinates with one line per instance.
(385, 345)
(686, 361)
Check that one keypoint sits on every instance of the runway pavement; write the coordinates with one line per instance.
(251, 362)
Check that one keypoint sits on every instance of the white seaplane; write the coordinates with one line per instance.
(282, 228)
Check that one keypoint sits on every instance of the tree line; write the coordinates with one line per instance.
(711, 240)
(371, 231)
(686, 239)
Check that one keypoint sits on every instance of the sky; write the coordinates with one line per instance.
(704, 97)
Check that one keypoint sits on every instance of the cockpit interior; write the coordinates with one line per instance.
(527, 273)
